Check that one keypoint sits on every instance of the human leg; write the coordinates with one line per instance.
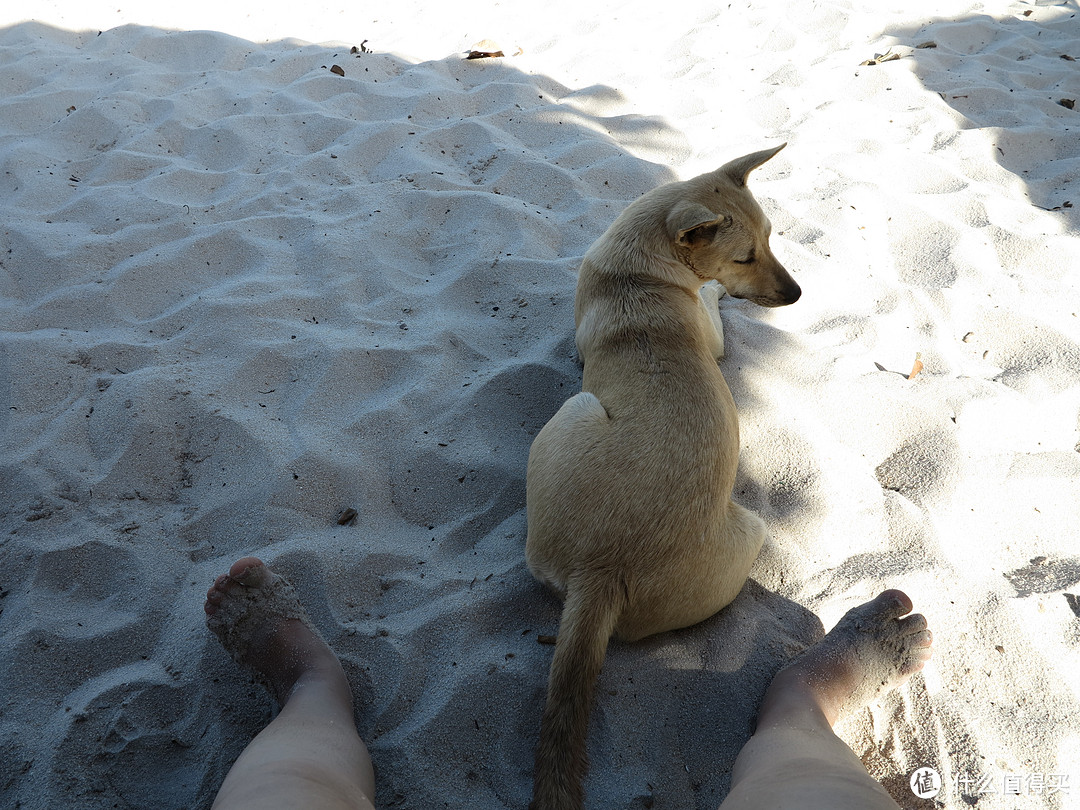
(310, 755)
(794, 760)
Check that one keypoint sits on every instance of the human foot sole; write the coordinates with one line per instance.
(873, 649)
(261, 623)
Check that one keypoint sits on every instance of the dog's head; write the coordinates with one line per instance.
(719, 231)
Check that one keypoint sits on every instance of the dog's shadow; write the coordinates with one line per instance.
(673, 711)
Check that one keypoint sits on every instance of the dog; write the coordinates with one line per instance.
(628, 486)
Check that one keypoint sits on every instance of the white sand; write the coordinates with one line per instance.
(240, 293)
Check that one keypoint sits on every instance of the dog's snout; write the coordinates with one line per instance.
(791, 293)
(785, 290)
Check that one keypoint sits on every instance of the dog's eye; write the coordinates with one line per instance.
(743, 261)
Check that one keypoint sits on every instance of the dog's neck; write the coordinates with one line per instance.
(685, 258)
(670, 268)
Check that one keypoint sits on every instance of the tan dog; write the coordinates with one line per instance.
(629, 485)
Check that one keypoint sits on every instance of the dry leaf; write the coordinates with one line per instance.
(915, 369)
(879, 58)
(487, 49)
(1074, 603)
(338, 69)
(1068, 103)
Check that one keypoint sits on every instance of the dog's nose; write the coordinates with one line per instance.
(787, 289)
(791, 293)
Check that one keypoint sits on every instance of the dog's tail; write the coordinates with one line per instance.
(591, 609)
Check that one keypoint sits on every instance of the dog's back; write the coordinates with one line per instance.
(628, 487)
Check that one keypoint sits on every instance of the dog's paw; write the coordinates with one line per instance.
(710, 295)
(718, 346)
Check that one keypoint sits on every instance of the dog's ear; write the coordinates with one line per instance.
(740, 168)
(692, 224)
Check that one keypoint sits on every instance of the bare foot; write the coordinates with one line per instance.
(871, 651)
(259, 620)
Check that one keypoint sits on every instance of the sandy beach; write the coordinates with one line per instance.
(258, 268)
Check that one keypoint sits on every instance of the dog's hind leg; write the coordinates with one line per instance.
(709, 296)
(557, 452)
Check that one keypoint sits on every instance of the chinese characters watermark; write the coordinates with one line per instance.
(926, 783)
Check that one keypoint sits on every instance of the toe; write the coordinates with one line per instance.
(915, 623)
(215, 594)
(924, 640)
(919, 652)
(247, 572)
(893, 603)
(917, 658)
(250, 571)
